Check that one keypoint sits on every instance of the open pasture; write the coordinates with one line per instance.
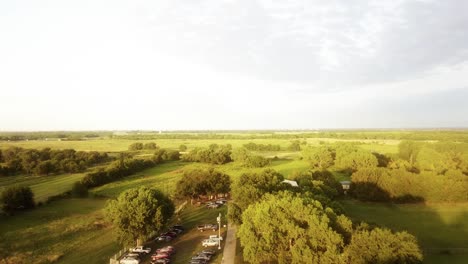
(441, 229)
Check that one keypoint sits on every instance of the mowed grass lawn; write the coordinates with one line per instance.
(65, 231)
(43, 186)
(438, 227)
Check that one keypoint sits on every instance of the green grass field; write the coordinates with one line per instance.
(43, 186)
(75, 231)
(438, 227)
(61, 231)
(116, 145)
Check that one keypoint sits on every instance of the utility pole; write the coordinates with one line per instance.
(219, 230)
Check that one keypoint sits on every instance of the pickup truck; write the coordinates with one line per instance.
(210, 243)
(202, 228)
(140, 249)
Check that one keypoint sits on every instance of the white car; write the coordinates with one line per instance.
(210, 242)
(215, 237)
(140, 249)
(129, 260)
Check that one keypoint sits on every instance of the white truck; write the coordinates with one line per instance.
(140, 249)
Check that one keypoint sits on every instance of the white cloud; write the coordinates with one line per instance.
(228, 64)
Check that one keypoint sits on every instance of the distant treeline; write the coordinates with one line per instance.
(262, 147)
(126, 166)
(16, 160)
(63, 135)
(439, 135)
(420, 171)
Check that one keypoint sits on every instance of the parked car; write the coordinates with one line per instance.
(129, 260)
(202, 228)
(169, 250)
(208, 252)
(162, 260)
(171, 234)
(198, 261)
(221, 201)
(178, 227)
(132, 255)
(202, 257)
(213, 205)
(163, 238)
(215, 237)
(140, 249)
(160, 256)
(210, 242)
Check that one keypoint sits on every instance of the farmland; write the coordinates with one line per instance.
(77, 231)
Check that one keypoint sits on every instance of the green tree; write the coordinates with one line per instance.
(285, 228)
(79, 190)
(408, 150)
(295, 146)
(381, 246)
(356, 160)
(136, 146)
(234, 213)
(252, 186)
(320, 158)
(138, 213)
(17, 198)
(182, 147)
(240, 155)
(202, 181)
(150, 145)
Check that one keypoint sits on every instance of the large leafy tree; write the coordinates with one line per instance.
(138, 213)
(202, 181)
(381, 246)
(16, 198)
(285, 228)
(320, 158)
(252, 186)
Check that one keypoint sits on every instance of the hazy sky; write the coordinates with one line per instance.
(213, 64)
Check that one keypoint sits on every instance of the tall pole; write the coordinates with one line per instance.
(219, 231)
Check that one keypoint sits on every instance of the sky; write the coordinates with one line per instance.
(226, 64)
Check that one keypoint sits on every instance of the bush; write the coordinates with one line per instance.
(17, 198)
(79, 190)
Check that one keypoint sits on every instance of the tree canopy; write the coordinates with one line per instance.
(202, 181)
(288, 229)
(138, 213)
(17, 198)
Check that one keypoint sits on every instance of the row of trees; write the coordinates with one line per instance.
(454, 135)
(261, 147)
(344, 157)
(244, 157)
(126, 166)
(140, 146)
(16, 160)
(214, 154)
